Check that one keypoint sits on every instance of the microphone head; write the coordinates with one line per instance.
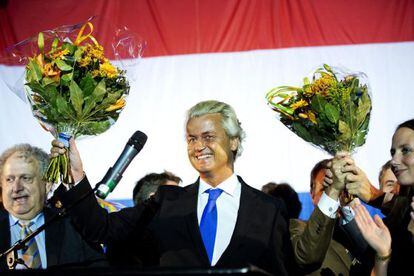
(138, 140)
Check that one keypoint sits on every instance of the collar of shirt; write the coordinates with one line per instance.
(37, 221)
(227, 209)
(228, 186)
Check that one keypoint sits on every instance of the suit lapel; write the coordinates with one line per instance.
(189, 202)
(54, 235)
(244, 222)
(5, 236)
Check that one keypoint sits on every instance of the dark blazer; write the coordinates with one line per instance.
(260, 236)
(64, 246)
(402, 239)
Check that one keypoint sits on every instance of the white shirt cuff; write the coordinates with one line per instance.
(328, 206)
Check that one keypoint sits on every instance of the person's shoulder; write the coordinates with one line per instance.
(261, 196)
(170, 192)
(3, 213)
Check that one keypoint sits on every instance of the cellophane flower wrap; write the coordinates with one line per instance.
(73, 89)
(331, 111)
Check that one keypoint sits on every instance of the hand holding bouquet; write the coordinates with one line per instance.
(73, 90)
(331, 111)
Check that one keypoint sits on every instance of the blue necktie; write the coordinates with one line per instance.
(208, 223)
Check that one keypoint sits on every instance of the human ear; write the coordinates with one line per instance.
(234, 144)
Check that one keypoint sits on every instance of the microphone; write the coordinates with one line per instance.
(114, 174)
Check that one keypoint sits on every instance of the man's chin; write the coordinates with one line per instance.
(24, 213)
(201, 168)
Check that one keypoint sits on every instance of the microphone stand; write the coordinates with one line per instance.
(11, 253)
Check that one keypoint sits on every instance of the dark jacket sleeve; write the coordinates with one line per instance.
(99, 226)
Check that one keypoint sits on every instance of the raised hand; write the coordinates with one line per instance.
(335, 176)
(374, 231)
(76, 166)
(357, 183)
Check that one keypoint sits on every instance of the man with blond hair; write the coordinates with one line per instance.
(217, 221)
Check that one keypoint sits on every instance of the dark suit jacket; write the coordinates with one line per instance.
(260, 236)
(64, 246)
(402, 239)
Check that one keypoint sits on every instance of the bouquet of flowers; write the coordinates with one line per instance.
(73, 89)
(331, 111)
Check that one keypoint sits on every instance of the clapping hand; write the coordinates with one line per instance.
(374, 231)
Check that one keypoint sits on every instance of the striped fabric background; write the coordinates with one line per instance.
(233, 51)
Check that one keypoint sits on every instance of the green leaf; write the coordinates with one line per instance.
(62, 106)
(55, 44)
(36, 87)
(99, 91)
(364, 108)
(87, 84)
(318, 103)
(302, 132)
(63, 65)
(67, 77)
(359, 138)
(49, 81)
(89, 105)
(94, 128)
(69, 46)
(344, 129)
(50, 94)
(76, 98)
(111, 98)
(327, 67)
(78, 54)
(35, 73)
(362, 133)
(332, 113)
(41, 42)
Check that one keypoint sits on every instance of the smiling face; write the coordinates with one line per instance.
(402, 152)
(209, 148)
(23, 190)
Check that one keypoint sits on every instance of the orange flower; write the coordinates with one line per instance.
(60, 53)
(312, 117)
(120, 103)
(298, 104)
(303, 115)
(307, 91)
(50, 71)
(107, 69)
(40, 60)
(309, 115)
(85, 61)
(321, 85)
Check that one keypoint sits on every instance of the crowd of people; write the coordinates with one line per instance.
(218, 221)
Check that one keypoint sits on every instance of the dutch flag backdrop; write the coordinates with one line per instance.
(233, 51)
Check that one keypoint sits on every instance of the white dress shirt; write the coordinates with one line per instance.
(227, 209)
(328, 206)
